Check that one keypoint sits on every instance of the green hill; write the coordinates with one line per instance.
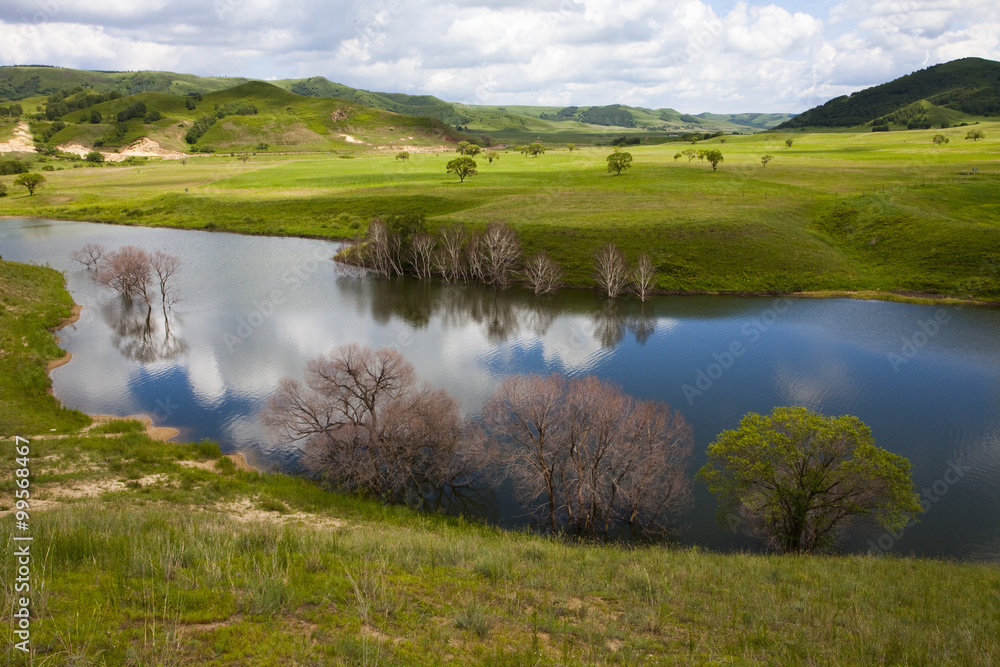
(79, 90)
(966, 87)
(20, 82)
(251, 116)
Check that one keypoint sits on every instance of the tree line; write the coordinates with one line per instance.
(586, 458)
(401, 243)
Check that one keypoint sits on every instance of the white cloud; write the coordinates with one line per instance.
(692, 55)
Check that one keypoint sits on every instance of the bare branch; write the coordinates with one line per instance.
(611, 270)
(542, 273)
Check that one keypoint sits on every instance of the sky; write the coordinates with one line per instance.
(692, 55)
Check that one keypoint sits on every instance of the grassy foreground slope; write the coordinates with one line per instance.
(160, 553)
(880, 212)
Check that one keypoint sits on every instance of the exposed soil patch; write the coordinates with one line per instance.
(21, 143)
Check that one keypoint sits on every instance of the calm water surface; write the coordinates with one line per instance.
(925, 379)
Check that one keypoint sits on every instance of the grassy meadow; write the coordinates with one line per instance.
(886, 212)
(148, 552)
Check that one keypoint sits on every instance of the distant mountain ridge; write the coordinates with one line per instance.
(20, 82)
(967, 86)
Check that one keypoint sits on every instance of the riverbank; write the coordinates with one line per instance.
(808, 223)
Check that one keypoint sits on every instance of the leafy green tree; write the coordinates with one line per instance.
(30, 181)
(619, 161)
(491, 155)
(16, 110)
(714, 157)
(798, 479)
(472, 150)
(677, 156)
(788, 142)
(689, 153)
(95, 117)
(462, 167)
(94, 156)
(461, 146)
(940, 139)
(3, 190)
(764, 159)
(403, 155)
(975, 135)
(535, 149)
(571, 147)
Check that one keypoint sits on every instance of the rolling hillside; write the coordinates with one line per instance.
(515, 124)
(253, 116)
(962, 89)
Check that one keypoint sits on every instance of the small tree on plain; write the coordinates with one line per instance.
(940, 139)
(797, 479)
(491, 155)
(30, 182)
(611, 270)
(462, 167)
(94, 156)
(689, 153)
(643, 277)
(472, 150)
(619, 161)
(975, 135)
(535, 149)
(714, 157)
(403, 155)
(542, 273)
(764, 159)
(461, 146)
(571, 147)
(788, 142)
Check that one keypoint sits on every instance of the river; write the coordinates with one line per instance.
(926, 379)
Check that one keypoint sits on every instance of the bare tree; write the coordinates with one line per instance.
(595, 456)
(450, 256)
(165, 267)
(89, 255)
(611, 270)
(128, 271)
(643, 277)
(383, 249)
(476, 257)
(421, 253)
(364, 424)
(542, 273)
(501, 250)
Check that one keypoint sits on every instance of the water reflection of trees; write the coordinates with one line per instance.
(500, 314)
(141, 333)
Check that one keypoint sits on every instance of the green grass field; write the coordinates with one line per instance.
(148, 553)
(880, 212)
